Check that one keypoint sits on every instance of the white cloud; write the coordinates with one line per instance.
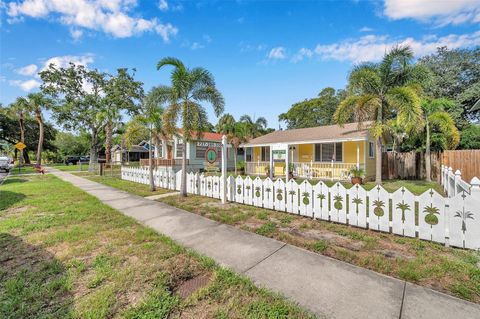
(27, 85)
(110, 16)
(277, 53)
(365, 29)
(76, 34)
(27, 70)
(196, 46)
(63, 61)
(163, 5)
(372, 47)
(440, 12)
(301, 54)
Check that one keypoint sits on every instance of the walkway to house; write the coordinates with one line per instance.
(325, 286)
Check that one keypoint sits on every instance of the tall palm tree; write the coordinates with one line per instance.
(381, 91)
(19, 111)
(36, 102)
(189, 88)
(255, 127)
(436, 118)
(225, 123)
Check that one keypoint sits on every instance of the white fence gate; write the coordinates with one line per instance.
(452, 221)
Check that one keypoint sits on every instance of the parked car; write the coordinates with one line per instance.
(6, 163)
(71, 160)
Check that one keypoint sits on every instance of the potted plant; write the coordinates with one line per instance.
(267, 170)
(356, 175)
(241, 167)
(291, 168)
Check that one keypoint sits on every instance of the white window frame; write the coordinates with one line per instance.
(371, 147)
(334, 152)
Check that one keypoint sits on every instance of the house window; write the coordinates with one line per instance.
(338, 152)
(179, 150)
(240, 151)
(371, 150)
(265, 154)
(248, 154)
(329, 151)
(200, 151)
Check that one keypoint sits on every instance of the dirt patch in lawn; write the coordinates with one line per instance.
(450, 270)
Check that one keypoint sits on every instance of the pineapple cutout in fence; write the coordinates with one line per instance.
(338, 209)
(337, 202)
(305, 198)
(239, 189)
(379, 218)
(431, 219)
(431, 212)
(279, 194)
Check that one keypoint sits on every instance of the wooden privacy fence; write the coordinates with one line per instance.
(409, 165)
(466, 161)
(452, 221)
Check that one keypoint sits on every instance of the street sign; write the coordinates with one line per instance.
(211, 155)
(20, 146)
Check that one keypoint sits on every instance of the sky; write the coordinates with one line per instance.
(264, 55)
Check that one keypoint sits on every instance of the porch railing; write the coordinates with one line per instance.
(162, 162)
(256, 168)
(318, 170)
(324, 170)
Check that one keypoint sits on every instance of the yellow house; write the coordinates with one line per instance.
(323, 152)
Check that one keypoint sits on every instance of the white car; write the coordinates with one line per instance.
(6, 163)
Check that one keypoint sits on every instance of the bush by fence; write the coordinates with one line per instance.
(452, 221)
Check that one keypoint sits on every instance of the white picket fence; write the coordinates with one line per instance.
(452, 182)
(451, 221)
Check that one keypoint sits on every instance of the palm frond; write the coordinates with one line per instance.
(406, 103)
(170, 61)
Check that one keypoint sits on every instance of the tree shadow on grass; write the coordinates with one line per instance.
(8, 199)
(13, 180)
(33, 283)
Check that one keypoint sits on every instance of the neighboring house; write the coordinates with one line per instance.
(324, 152)
(170, 152)
(132, 154)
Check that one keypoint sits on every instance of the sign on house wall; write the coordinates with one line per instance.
(279, 155)
(211, 160)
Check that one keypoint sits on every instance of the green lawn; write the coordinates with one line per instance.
(22, 170)
(131, 187)
(70, 168)
(64, 254)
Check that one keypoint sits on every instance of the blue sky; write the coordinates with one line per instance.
(265, 55)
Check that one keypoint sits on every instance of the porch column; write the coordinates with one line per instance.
(271, 162)
(358, 155)
(164, 149)
(287, 160)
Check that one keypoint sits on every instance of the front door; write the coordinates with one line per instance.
(169, 152)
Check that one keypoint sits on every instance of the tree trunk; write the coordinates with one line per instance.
(108, 141)
(22, 137)
(93, 149)
(150, 163)
(38, 116)
(183, 188)
(378, 147)
(235, 159)
(378, 161)
(428, 167)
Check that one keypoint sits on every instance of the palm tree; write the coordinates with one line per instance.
(189, 88)
(225, 124)
(434, 116)
(381, 91)
(36, 102)
(19, 111)
(255, 127)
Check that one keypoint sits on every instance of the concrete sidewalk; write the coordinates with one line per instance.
(325, 286)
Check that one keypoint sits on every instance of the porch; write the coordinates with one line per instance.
(328, 161)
